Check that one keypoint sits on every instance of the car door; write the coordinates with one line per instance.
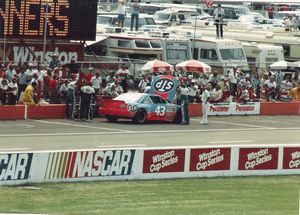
(158, 108)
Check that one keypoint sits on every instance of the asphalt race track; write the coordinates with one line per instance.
(44, 135)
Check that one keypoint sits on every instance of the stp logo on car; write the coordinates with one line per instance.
(164, 85)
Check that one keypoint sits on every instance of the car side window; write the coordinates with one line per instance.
(155, 99)
(147, 100)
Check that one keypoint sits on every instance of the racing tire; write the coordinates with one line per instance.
(178, 117)
(112, 118)
(140, 116)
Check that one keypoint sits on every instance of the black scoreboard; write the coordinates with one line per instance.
(66, 19)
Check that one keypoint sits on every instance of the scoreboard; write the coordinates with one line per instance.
(66, 19)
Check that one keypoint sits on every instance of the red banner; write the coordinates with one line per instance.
(291, 158)
(210, 159)
(169, 160)
(258, 158)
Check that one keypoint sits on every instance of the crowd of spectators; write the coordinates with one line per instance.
(56, 83)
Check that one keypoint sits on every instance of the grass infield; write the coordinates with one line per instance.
(241, 195)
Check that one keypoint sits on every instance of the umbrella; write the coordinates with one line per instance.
(157, 66)
(282, 64)
(194, 66)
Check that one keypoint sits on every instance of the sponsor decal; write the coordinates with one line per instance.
(89, 164)
(158, 161)
(15, 166)
(291, 158)
(210, 159)
(165, 86)
(234, 108)
(258, 158)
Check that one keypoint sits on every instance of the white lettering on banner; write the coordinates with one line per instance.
(104, 163)
(295, 162)
(244, 108)
(15, 166)
(295, 155)
(234, 108)
(161, 161)
(209, 159)
(22, 54)
(257, 158)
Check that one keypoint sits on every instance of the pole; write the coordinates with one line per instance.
(45, 33)
(4, 35)
(195, 31)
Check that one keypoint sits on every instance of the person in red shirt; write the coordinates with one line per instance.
(270, 10)
(53, 89)
(89, 75)
(2, 71)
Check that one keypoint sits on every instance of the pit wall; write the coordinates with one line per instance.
(58, 111)
(148, 163)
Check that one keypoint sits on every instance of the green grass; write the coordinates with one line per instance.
(242, 195)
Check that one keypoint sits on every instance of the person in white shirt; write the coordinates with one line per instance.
(219, 16)
(193, 88)
(12, 92)
(10, 72)
(270, 88)
(123, 74)
(233, 79)
(216, 94)
(143, 83)
(96, 82)
(205, 104)
(121, 11)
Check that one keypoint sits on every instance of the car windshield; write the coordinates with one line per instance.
(130, 97)
(232, 54)
(161, 16)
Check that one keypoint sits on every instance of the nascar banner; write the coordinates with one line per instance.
(233, 108)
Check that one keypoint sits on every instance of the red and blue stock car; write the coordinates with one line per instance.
(140, 107)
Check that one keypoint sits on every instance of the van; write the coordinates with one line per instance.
(174, 16)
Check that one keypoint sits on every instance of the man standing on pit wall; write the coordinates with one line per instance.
(135, 15)
(219, 16)
(205, 103)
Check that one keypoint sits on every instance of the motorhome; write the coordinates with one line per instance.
(221, 54)
(290, 41)
(261, 56)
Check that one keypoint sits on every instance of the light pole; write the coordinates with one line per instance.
(195, 31)
(45, 31)
(4, 35)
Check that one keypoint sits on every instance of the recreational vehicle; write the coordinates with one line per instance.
(260, 56)
(174, 16)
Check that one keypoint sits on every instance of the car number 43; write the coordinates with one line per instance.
(160, 110)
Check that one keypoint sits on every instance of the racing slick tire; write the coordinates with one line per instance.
(140, 116)
(111, 118)
(178, 117)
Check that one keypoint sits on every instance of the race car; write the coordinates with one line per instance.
(140, 107)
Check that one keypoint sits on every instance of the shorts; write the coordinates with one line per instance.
(121, 17)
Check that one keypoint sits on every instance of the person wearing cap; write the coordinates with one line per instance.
(193, 88)
(143, 83)
(70, 99)
(216, 94)
(28, 96)
(123, 74)
(54, 63)
(86, 93)
(90, 74)
(205, 97)
(73, 67)
(219, 16)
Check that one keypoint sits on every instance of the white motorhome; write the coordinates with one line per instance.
(290, 41)
(221, 54)
(260, 56)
